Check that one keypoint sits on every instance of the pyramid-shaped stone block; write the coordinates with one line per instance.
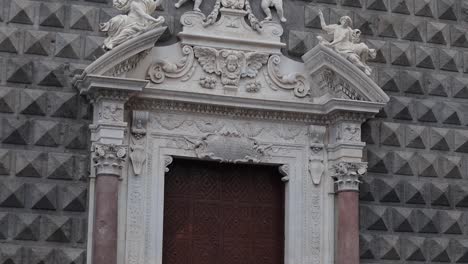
(61, 166)
(9, 40)
(461, 141)
(426, 57)
(437, 33)
(425, 110)
(415, 192)
(438, 249)
(447, 9)
(12, 194)
(459, 247)
(5, 161)
(57, 228)
(20, 71)
(41, 255)
(367, 247)
(412, 82)
(460, 87)
(402, 220)
(11, 254)
(33, 102)
(437, 84)
(389, 27)
(74, 198)
(8, 100)
(300, 42)
(77, 136)
(413, 249)
(374, 218)
(63, 104)
(93, 47)
(451, 167)
(450, 114)
(401, 53)
(391, 134)
(68, 45)
(427, 221)
(379, 161)
(367, 190)
(427, 165)
(47, 133)
(400, 108)
(52, 15)
(424, 8)
(416, 137)
(16, 131)
(43, 196)
(414, 29)
(389, 190)
(440, 194)
(405, 163)
(401, 6)
(449, 60)
(441, 139)
(30, 164)
(370, 132)
(389, 80)
(22, 12)
(389, 248)
(71, 256)
(38, 42)
(451, 222)
(458, 36)
(83, 17)
(26, 227)
(51, 74)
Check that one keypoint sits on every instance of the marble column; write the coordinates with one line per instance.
(347, 188)
(108, 161)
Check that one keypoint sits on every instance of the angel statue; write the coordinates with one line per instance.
(277, 4)
(346, 41)
(136, 21)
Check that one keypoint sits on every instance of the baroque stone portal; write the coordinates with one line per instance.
(226, 93)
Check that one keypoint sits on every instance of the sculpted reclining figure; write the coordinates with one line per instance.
(346, 41)
(136, 21)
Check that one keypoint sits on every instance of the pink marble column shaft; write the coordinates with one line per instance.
(105, 221)
(348, 227)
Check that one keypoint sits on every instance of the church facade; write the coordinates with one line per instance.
(233, 131)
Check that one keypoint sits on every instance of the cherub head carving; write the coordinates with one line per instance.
(345, 21)
(232, 63)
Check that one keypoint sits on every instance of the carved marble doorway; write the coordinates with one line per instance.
(223, 213)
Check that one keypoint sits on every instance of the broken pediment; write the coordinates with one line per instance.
(230, 58)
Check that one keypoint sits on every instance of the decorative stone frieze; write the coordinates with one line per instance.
(347, 174)
(109, 159)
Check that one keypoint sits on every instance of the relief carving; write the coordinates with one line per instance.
(137, 140)
(111, 112)
(231, 65)
(346, 175)
(136, 20)
(293, 81)
(337, 86)
(229, 146)
(183, 69)
(316, 156)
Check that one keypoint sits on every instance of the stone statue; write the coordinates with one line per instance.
(196, 5)
(346, 41)
(136, 21)
(277, 4)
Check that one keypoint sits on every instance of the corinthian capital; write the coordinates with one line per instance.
(346, 175)
(109, 159)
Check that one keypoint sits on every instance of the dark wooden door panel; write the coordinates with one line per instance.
(223, 214)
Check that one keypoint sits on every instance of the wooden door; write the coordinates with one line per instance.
(218, 213)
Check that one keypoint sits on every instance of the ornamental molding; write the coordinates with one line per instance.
(109, 159)
(229, 146)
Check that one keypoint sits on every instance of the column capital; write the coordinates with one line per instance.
(346, 175)
(109, 159)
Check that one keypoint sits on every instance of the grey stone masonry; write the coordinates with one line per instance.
(414, 199)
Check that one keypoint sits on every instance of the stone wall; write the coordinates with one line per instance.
(413, 200)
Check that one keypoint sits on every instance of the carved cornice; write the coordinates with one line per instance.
(346, 175)
(109, 159)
